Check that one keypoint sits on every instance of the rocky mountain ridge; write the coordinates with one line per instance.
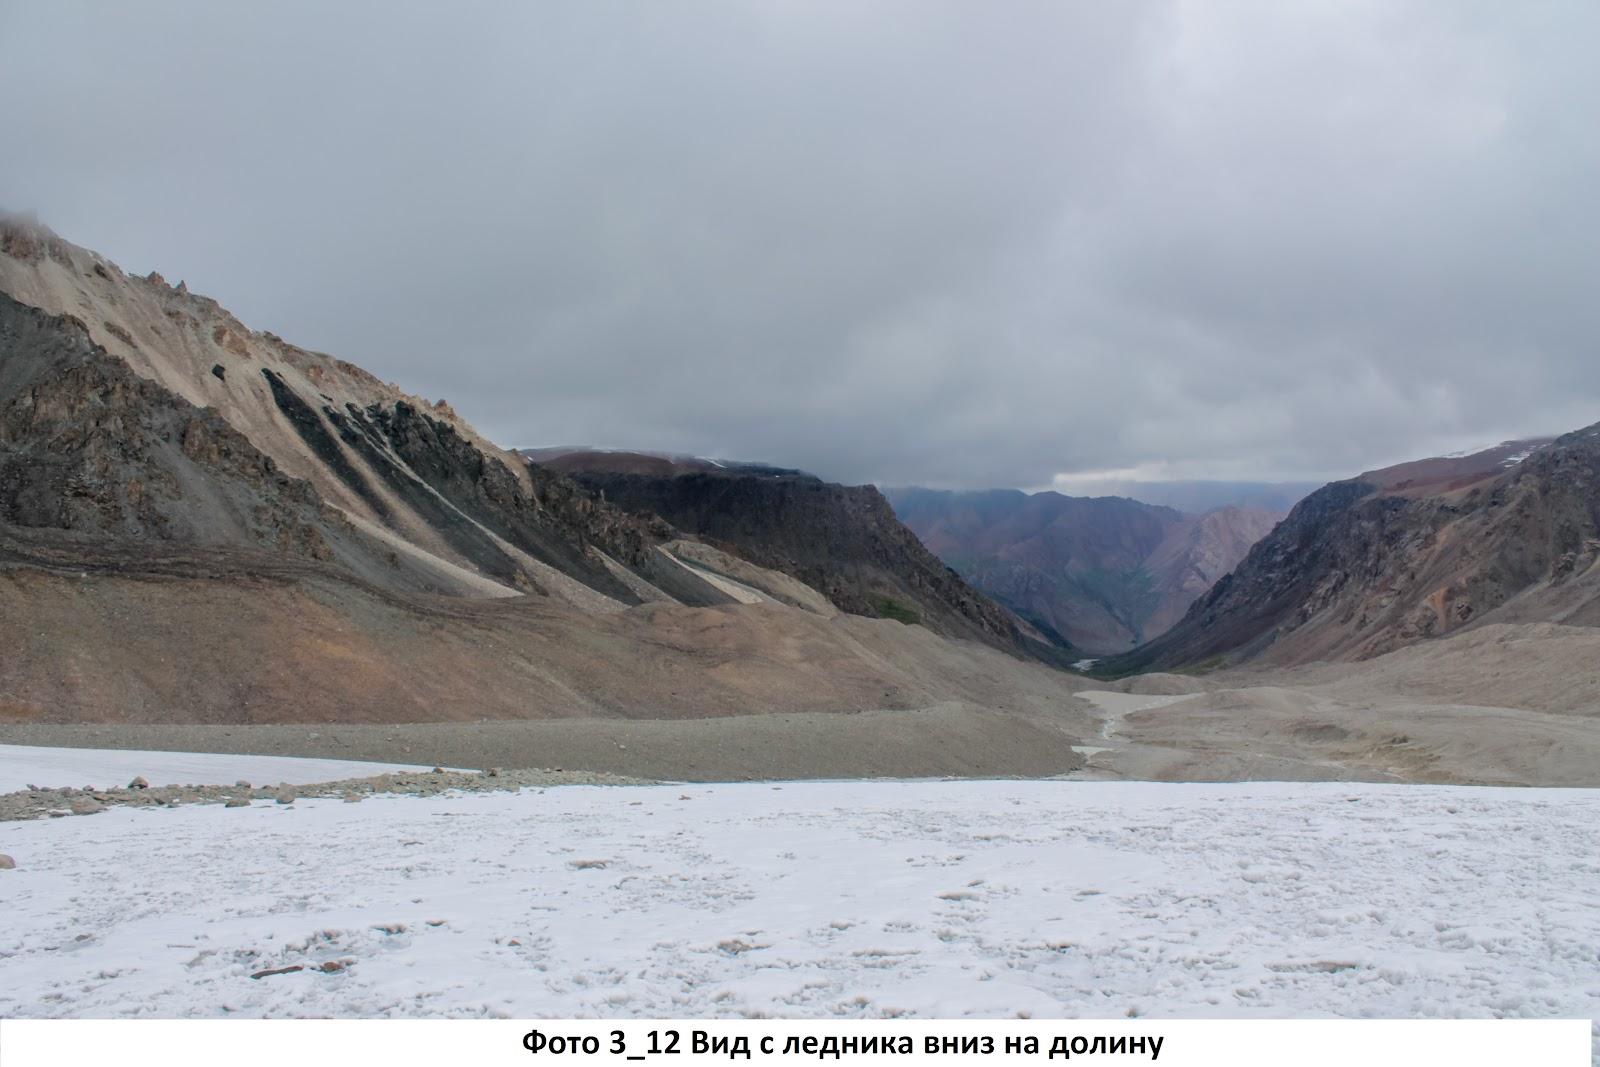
(421, 502)
(1368, 565)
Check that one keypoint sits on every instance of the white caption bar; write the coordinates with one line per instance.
(589, 1043)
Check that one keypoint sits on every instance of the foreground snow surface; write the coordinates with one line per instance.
(853, 899)
(108, 768)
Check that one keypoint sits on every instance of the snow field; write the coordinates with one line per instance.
(828, 899)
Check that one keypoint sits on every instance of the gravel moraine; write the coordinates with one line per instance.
(60, 803)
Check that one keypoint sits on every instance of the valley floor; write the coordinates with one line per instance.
(947, 739)
(853, 899)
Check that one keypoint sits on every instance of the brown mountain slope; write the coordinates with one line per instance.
(1104, 572)
(199, 523)
(442, 508)
(1440, 474)
(843, 541)
(186, 635)
(1362, 567)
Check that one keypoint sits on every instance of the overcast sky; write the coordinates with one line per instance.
(956, 244)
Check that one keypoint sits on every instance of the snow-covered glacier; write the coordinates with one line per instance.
(834, 899)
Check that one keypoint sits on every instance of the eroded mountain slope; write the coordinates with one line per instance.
(1365, 566)
(455, 513)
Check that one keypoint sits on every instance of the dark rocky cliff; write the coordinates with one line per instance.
(844, 541)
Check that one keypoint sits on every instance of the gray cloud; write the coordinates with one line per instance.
(946, 243)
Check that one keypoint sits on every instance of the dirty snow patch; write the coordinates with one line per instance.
(110, 768)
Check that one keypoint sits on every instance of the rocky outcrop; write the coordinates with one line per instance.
(1365, 566)
(89, 447)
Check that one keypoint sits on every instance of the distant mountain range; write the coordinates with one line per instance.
(1198, 497)
(1102, 573)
